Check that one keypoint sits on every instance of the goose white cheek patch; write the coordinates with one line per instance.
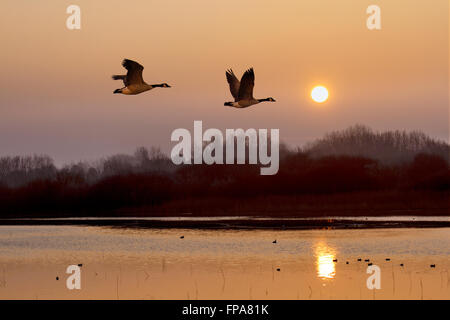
(209, 148)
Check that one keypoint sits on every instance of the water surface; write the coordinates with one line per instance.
(134, 263)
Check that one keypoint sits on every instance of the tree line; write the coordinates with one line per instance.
(354, 161)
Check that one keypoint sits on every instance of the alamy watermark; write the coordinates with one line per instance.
(374, 20)
(374, 281)
(74, 280)
(73, 22)
(208, 147)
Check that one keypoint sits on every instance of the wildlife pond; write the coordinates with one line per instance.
(175, 263)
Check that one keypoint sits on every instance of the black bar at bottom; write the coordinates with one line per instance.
(239, 309)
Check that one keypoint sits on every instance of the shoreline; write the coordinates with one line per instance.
(239, 223)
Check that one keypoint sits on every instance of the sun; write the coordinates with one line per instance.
(319, 94)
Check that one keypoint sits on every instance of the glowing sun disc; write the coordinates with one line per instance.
(319, 94)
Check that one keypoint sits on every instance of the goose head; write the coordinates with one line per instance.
(165, 85)
(267, 99)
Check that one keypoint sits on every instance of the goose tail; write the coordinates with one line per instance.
(228, 104)
(118, 77)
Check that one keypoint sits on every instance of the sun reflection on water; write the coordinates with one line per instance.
(325, 265)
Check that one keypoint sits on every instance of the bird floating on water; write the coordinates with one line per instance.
(432, 266)
(242, 91)
(274, 241)
(182, 237)
(133, 81)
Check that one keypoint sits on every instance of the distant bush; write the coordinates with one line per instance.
(390, 147)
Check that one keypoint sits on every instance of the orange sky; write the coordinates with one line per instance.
(56, 91)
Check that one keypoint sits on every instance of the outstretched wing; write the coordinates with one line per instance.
(120, 77)
(234, 84)
(134, 74)
(247, 84)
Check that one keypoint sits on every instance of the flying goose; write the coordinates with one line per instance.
(133, 81)
(242, 92)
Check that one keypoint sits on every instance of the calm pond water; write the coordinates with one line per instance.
(121, 263)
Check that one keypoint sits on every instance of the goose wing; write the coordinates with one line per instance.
(134, 74)
(247, 84)
(234, 84)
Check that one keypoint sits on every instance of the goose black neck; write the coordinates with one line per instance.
(262, 100)
(157, 85)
